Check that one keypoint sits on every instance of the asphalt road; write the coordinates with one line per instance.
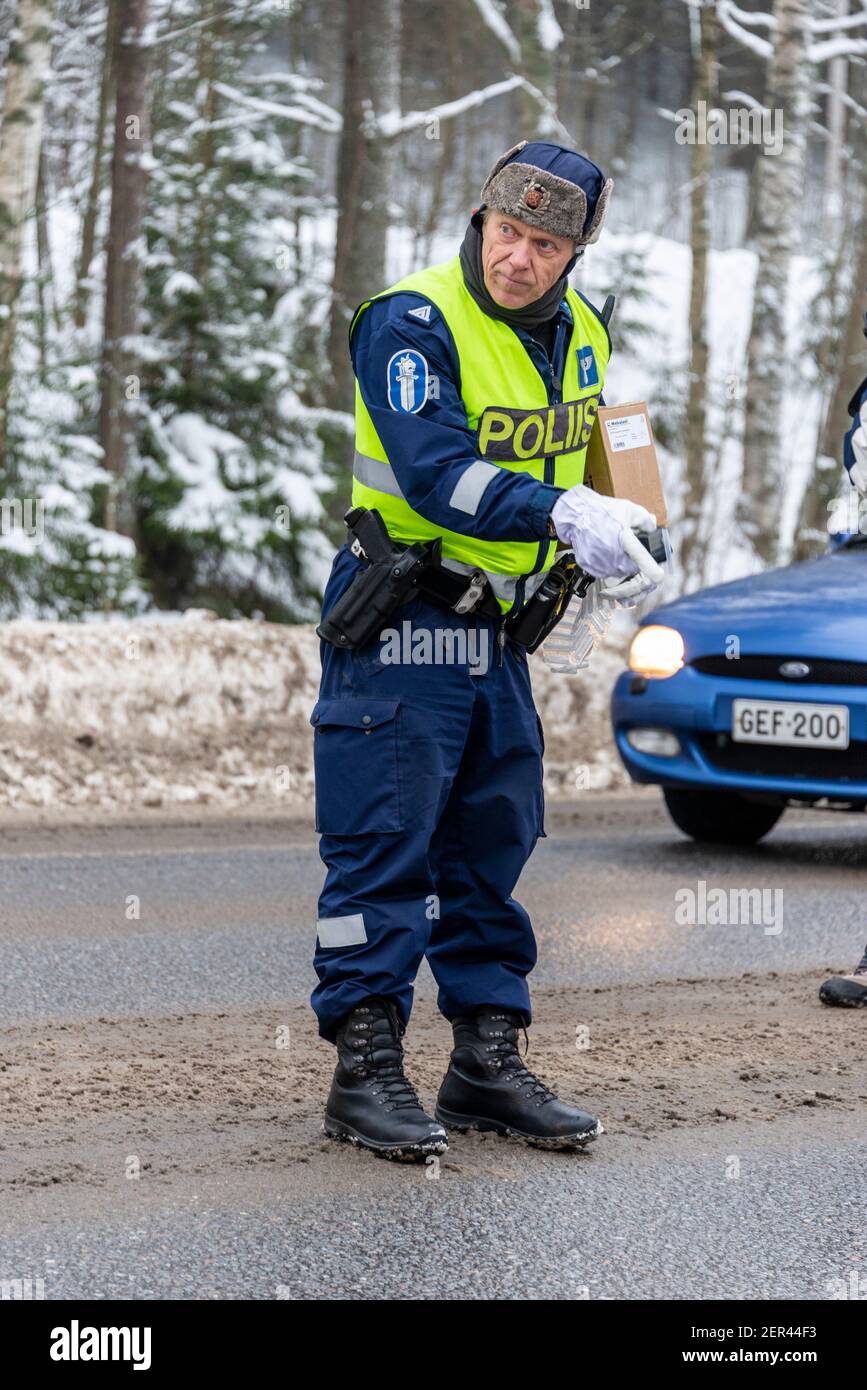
(162, 1081)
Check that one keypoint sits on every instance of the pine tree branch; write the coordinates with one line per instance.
(726, 11)
(299, 114)
(834, 25)
(840, 47)
(496, 22)
(393, 123)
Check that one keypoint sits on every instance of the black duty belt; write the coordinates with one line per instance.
(453, 590)
(393, 575)
(456, 592)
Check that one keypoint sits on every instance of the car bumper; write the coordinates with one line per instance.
(697, 709)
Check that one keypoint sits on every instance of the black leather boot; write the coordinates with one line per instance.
(488, 1087)
(372, 1103)
(847, 991)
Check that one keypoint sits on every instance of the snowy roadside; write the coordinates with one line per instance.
(154, 718)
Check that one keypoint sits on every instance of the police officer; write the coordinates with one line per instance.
(478, 381)
(850, 991)
(855, 443)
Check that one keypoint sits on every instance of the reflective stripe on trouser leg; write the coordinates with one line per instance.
(341, 931)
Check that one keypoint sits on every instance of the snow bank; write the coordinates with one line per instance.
(126, 716)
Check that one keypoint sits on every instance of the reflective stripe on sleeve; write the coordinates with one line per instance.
(471, 485)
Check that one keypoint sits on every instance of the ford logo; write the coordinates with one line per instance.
(795, 670)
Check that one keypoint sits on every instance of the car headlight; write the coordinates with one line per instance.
(656, 651)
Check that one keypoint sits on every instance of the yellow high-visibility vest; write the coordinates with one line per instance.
(506, 401)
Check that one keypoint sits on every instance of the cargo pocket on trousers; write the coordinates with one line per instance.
(356, 767)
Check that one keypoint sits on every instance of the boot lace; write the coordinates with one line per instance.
(504, 1047)
(388, 1076)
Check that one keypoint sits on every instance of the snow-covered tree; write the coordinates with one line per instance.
(55, 559)
(232, 458)
(130, 164)
(780, 193)
(27, 65)
(705, 31)
(799, 42)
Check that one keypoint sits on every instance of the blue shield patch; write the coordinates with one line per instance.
(407, 381)
(588, 372)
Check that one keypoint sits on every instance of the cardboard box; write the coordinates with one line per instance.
(621, 458)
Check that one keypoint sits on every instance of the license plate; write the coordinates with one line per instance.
(786, 722)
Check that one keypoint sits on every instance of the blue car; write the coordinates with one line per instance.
(751, 696)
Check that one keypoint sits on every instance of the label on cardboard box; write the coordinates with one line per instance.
(627, 432)
(621, 457)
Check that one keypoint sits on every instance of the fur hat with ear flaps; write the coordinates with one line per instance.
(550, 187)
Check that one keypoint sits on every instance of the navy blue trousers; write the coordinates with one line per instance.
(428, 802)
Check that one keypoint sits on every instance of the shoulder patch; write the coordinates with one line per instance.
(423, 312)
(408, 381)
(588, 372)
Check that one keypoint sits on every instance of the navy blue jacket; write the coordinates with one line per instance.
(429, 450)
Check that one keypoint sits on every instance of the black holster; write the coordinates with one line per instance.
(388, 581)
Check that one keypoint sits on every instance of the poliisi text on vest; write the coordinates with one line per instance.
(513, 435)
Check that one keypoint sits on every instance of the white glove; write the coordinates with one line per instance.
(629, 592)
(858, 471)
(601, 532)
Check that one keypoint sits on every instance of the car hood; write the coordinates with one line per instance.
(814, 608)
